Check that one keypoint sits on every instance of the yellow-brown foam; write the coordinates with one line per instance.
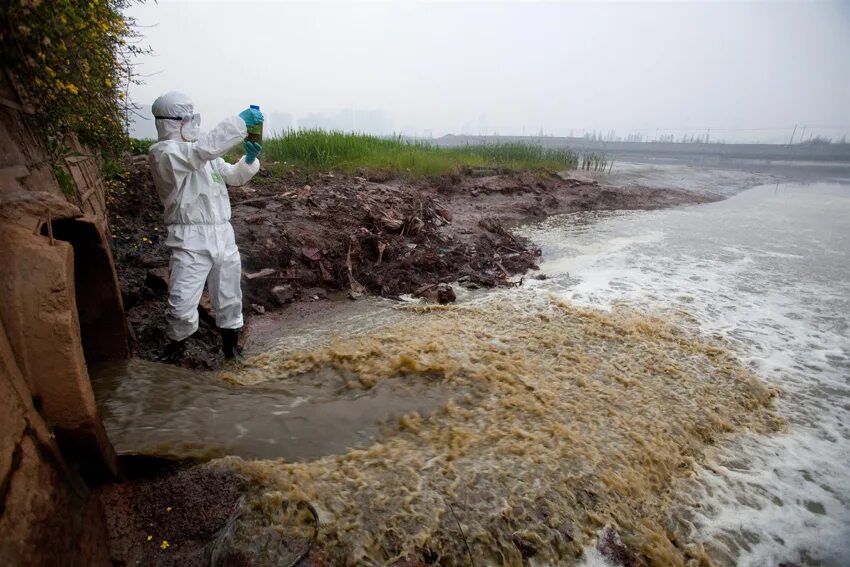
(563, 420)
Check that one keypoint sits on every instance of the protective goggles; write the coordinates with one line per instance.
(188, 119)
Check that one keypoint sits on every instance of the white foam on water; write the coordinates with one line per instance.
(768, 271)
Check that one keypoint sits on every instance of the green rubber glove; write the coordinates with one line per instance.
(252, 150)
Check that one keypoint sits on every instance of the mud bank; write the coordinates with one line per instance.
(307, 238)
(168, 514)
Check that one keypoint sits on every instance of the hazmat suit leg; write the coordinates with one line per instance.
(224, 282)
(189, 271)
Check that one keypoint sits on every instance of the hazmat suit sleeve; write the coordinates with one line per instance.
(186, 157)
(216, 142)
(239, 173)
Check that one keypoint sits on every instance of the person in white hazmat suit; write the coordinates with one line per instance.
(191, 179)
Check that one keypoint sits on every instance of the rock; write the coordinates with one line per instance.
(257, 308)
(443, 212)
(157, 279)
(316, 293)
(283, 294)
(441, 293)
(149, 261)
(612, 548)
(354, 294)
(261, 274)
(391, 223)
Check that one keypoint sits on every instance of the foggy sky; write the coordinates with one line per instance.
(749, 71)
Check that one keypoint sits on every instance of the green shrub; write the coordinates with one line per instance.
(139, 147)
(72, 60)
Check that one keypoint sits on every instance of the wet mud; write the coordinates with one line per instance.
(171, 518)
(307, 238)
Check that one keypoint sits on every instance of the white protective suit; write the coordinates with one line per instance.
(190, 178)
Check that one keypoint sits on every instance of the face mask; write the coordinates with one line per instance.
(190, 128)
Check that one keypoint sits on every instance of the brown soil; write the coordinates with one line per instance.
(305, 237)
(173, 518)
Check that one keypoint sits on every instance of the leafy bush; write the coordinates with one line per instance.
(72, 59)
(140, 146)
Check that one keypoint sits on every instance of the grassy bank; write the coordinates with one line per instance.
(318, 150)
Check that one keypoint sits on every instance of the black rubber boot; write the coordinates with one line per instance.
(230, 344)
(173, 353)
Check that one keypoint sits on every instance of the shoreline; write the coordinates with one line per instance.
(308, 240)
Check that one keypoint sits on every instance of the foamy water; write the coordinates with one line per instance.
(768, 271)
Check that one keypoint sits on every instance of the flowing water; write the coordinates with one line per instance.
(154, 409)
(635, 387)
(769, 271)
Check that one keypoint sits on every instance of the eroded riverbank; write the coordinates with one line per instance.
(304, 238)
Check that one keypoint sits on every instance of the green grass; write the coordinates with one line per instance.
(319, 150)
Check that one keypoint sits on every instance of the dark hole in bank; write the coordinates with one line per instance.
(103, 329)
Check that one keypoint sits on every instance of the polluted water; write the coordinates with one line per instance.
(673, 379)
(562, 420)
(768, 272)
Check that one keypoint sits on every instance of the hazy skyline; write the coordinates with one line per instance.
(748, 71)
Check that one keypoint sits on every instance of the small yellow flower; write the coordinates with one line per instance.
(164, 544)
(150, 537)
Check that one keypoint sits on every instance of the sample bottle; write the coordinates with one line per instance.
(255, 133)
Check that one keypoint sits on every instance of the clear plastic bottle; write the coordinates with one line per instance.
(255, 133)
